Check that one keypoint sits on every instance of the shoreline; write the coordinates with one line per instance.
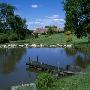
(36, 46)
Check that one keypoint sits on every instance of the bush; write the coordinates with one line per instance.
(68, 32)
(3, 39)
(68, 36)
(44, 81)
(13, 37)
(36, 35)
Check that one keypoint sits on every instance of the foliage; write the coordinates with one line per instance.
(51, 29)
(53, 39)
(68, 32)
(36, 35)
(77, 16)
(11, 22)
(44, 81)
(6, 11)
(13, 37)
(3, 39)
(68, 35)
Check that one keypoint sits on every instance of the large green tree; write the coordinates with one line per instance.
(77, 16)
(6, 10)
(10, 22)
(18, 25)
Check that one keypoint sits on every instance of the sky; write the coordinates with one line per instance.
(39, 13)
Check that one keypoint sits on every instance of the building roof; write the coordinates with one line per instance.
(40, 30)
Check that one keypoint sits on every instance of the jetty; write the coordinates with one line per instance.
(56, 70)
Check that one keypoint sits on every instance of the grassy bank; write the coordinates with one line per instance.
(52, 39)
(75, 82)
(78, 82)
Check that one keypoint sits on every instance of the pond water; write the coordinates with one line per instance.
(13, 63)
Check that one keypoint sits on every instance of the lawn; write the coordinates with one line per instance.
(52, 39)
(78, 82)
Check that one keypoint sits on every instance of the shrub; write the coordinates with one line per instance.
(36, 35)
(3, 39)
(44, 81)
(13, 37)
(68, 36)
(68, 32)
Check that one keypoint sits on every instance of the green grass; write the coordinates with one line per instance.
(52, 39)
(77, 82)
(81, 40)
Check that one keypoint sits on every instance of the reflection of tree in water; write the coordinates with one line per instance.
(70, 51)
(9, 58)
(81, 62)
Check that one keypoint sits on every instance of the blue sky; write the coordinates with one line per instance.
(40, 13)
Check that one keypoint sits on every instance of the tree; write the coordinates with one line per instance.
(77, 17)
(6, 10)
(9, 22)
(51, 29)
(18, 25)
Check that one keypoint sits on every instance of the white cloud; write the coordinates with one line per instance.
(34, 22)
(52, 17)
(55, 16)
(58, 20)
(34, 6)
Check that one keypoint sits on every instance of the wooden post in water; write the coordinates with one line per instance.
(37, 58)
(29, 59)
(67, 67)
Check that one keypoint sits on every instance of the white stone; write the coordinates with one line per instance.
(21, 45)
(65, 45)
(52, 46)
(26, 45)
(33, 45)
(5, 46)
(69, 46)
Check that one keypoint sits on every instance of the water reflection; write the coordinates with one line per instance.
(82, 62)
(70, 51)
(9, 58)
(82, 59)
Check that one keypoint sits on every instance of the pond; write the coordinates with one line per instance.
(13, 62)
